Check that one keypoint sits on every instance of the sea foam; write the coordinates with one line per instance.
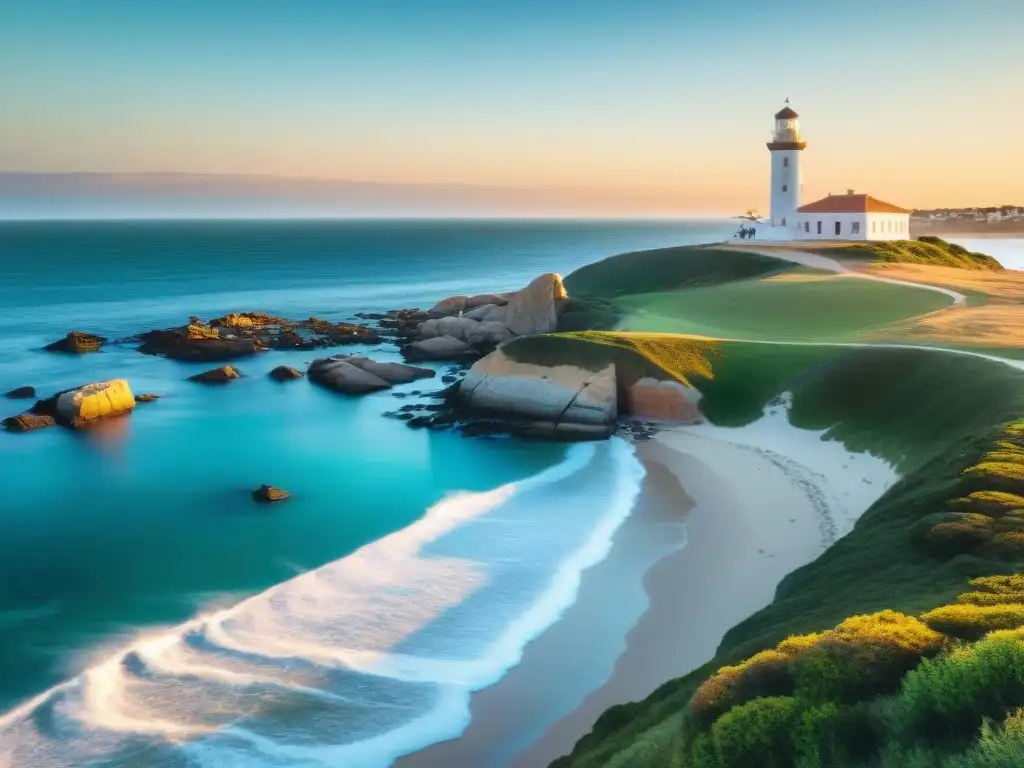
(359, 661)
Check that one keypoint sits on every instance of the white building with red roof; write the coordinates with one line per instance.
(835, 217)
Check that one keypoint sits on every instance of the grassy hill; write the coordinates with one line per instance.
(924, 250)
(864, 692)
(703, 290)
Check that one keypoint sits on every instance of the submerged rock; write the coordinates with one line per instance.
(146, 398)
(21, 392)
(268, 494)
(78, 342)
(284, 373)
(26, 422)
(78, 407)
(342, 376)
(437, 348)
(220, 375)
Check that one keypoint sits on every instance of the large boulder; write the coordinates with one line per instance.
(651, 399)
(343, 376)
(77, 342)
(455, 305)
(437, 348)
(21, 392)
(392, 373)
(564, 401)
(78, 407)
(268, 494)
(535, 308)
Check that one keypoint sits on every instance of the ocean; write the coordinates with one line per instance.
(152, 615)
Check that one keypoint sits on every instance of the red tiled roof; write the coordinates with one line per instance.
(785, 114)
(851, 204)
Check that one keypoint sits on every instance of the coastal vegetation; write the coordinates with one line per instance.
(924, 250)
(883, 652)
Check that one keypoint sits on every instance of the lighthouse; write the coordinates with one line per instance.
(785, 147)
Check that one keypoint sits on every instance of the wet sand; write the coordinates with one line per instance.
(653, 609)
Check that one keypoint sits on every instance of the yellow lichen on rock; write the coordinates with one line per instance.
(94, 401)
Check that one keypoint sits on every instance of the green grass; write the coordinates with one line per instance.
(831, 309)
(935, 415)
(667, 269)
(924, 250)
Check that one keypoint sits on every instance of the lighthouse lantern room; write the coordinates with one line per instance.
(786, 146)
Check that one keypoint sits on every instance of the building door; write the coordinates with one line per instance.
(839, 228)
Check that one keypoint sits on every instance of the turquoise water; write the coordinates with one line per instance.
(152, 614)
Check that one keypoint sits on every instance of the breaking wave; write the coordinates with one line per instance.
(354, 663)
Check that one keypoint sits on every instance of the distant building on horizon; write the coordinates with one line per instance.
(836, 217)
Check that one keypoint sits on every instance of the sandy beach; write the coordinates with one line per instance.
(747, 516)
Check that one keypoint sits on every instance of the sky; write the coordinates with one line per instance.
(659, 106)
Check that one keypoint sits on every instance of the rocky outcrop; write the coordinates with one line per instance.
(461, 326)
(78, 407)
(246, 333)
(284, 373)
(221, 375)
(21, 392)
(354, 375)
(268, 494)
(651, 399)
(146, 398)
(26, 422)
(78, 342)
(438, 348)
(535, 309)
(562, 402)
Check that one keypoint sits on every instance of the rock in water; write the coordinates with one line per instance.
(563, 401)
(535, 308)
(94, 401)
(221, 375)
(284, 373)
(77, 342)
(650, 398)
(392, 373)
(342, 376)
(268, 494)
(437, 348)
(25, 422)
(21, 392)
(146, 398)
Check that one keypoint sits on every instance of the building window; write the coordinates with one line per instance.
(856, 228)
(874, 226)
(807, 227)
(819, 227)
(839, 227)
(783, 221)
(785, 162)
(785, 187)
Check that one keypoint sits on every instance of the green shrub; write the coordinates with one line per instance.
(863, 657)
(758, 734)
(951, 533)
(832, 735)
(990, 590)
(946, 699)
(1008, 546)
(971, 622)
(764, 674)
(992, 503)
(1000, 745)
(1000, 475)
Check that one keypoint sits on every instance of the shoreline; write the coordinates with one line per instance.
(733, 559)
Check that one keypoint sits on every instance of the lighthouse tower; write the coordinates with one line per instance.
(786, 146)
